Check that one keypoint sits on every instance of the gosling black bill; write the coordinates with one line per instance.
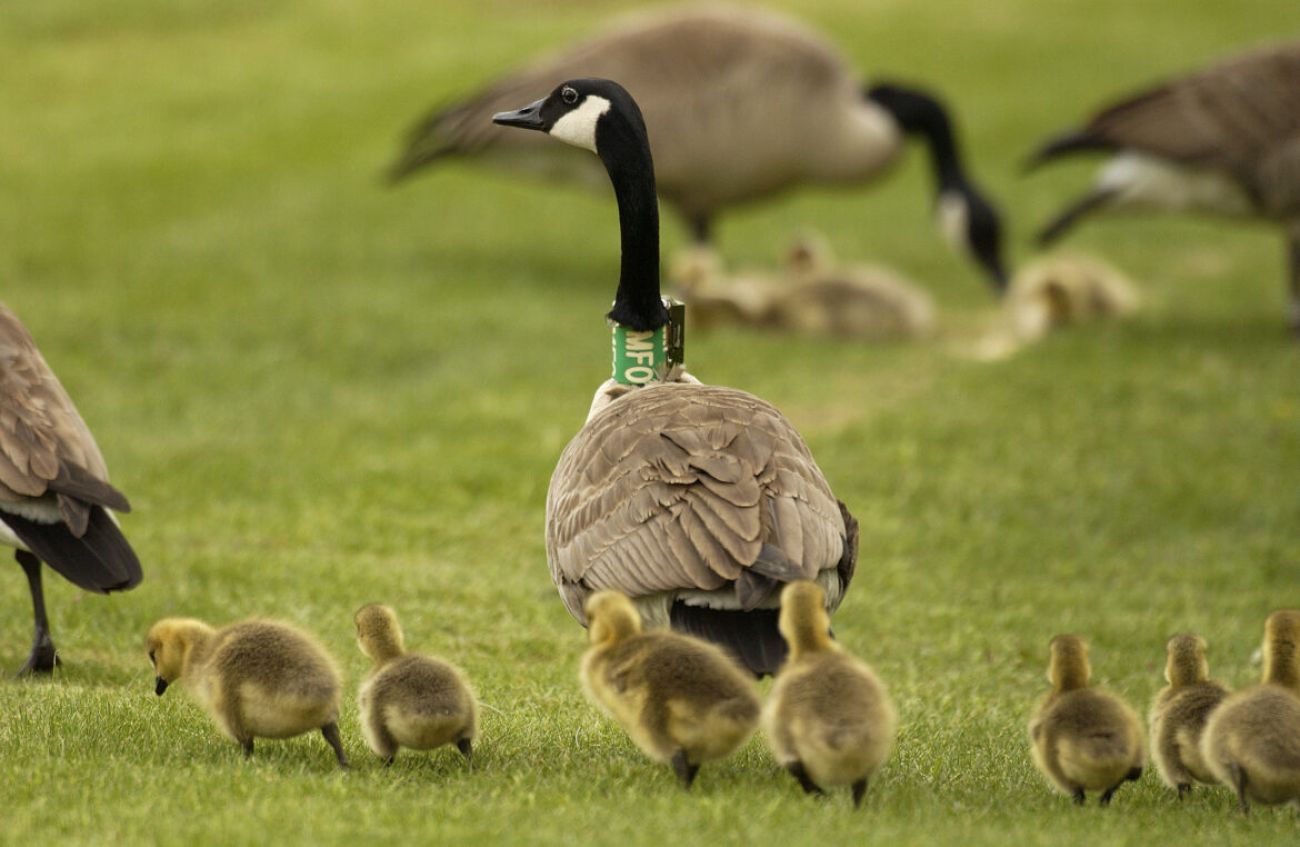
(160, 685)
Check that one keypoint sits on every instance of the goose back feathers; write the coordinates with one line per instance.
(703, 496)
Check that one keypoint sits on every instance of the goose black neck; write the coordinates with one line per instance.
(625, 150)
(919, 113)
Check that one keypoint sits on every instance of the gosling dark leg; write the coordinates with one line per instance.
(331, 733)
(247, 744)
(859, 791)
(1239, 783)
(1079, 797)
(685, 770)
(797, 771)
(44, 658)
(1109, 793)
(1184, 789)
(466, 748)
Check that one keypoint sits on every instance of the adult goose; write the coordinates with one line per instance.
(54, 489)
(744, 105)
(697, 501)
(1224, 140)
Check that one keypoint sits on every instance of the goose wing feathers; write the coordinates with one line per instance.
(681, 486)
(1231, 116)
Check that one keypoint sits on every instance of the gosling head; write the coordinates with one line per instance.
(1068, 666)
(803, 622)
(379, 635)
(1281, 656)
(1186, 663)
(169, 643)
(611, 617)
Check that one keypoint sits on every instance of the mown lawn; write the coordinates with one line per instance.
(318, 392)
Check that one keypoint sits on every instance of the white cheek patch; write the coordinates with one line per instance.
(954, 220)
(579, 126)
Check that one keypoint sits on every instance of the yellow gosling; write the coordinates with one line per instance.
(829, 718)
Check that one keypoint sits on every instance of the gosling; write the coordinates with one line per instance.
(257, 678)
(1179, 713)
(683, 701)
(1252, 741)
(1083, 739)
(410, 700)
(829, 719)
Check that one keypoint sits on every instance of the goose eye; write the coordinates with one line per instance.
(569, 95)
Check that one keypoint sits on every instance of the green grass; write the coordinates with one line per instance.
(319, 393)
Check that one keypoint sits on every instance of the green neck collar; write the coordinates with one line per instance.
(644, 356)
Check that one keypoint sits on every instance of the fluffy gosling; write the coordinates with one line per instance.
(682, 701)
(257, 678)
(829, 719)
(1083, 738)
(410, 700)
(1252, 741)
(823, 297)
(1179, 713)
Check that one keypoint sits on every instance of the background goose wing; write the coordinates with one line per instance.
(1226, 116)
(53, 481)
(682, 486)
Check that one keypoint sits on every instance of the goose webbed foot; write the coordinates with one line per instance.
(44, 657)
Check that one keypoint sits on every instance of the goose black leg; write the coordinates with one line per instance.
(44, 657)
(466, 748)
(331, 733)
(685, 770)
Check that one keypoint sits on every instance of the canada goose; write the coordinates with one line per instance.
(54, 489)
(410, 700)
(1083, 738)
(829, 718)
(744, 105)
(683, 701)
(257, 678)
(697, 501)
(864, 302)
(1179, 712)
(1252, 741)
(1222, 140)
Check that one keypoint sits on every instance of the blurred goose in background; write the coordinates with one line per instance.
(743, 105)
(696, 501)
(54, 492)
(1224, 140)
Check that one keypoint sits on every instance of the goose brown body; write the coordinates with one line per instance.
(689, 495)
(1222, 140)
